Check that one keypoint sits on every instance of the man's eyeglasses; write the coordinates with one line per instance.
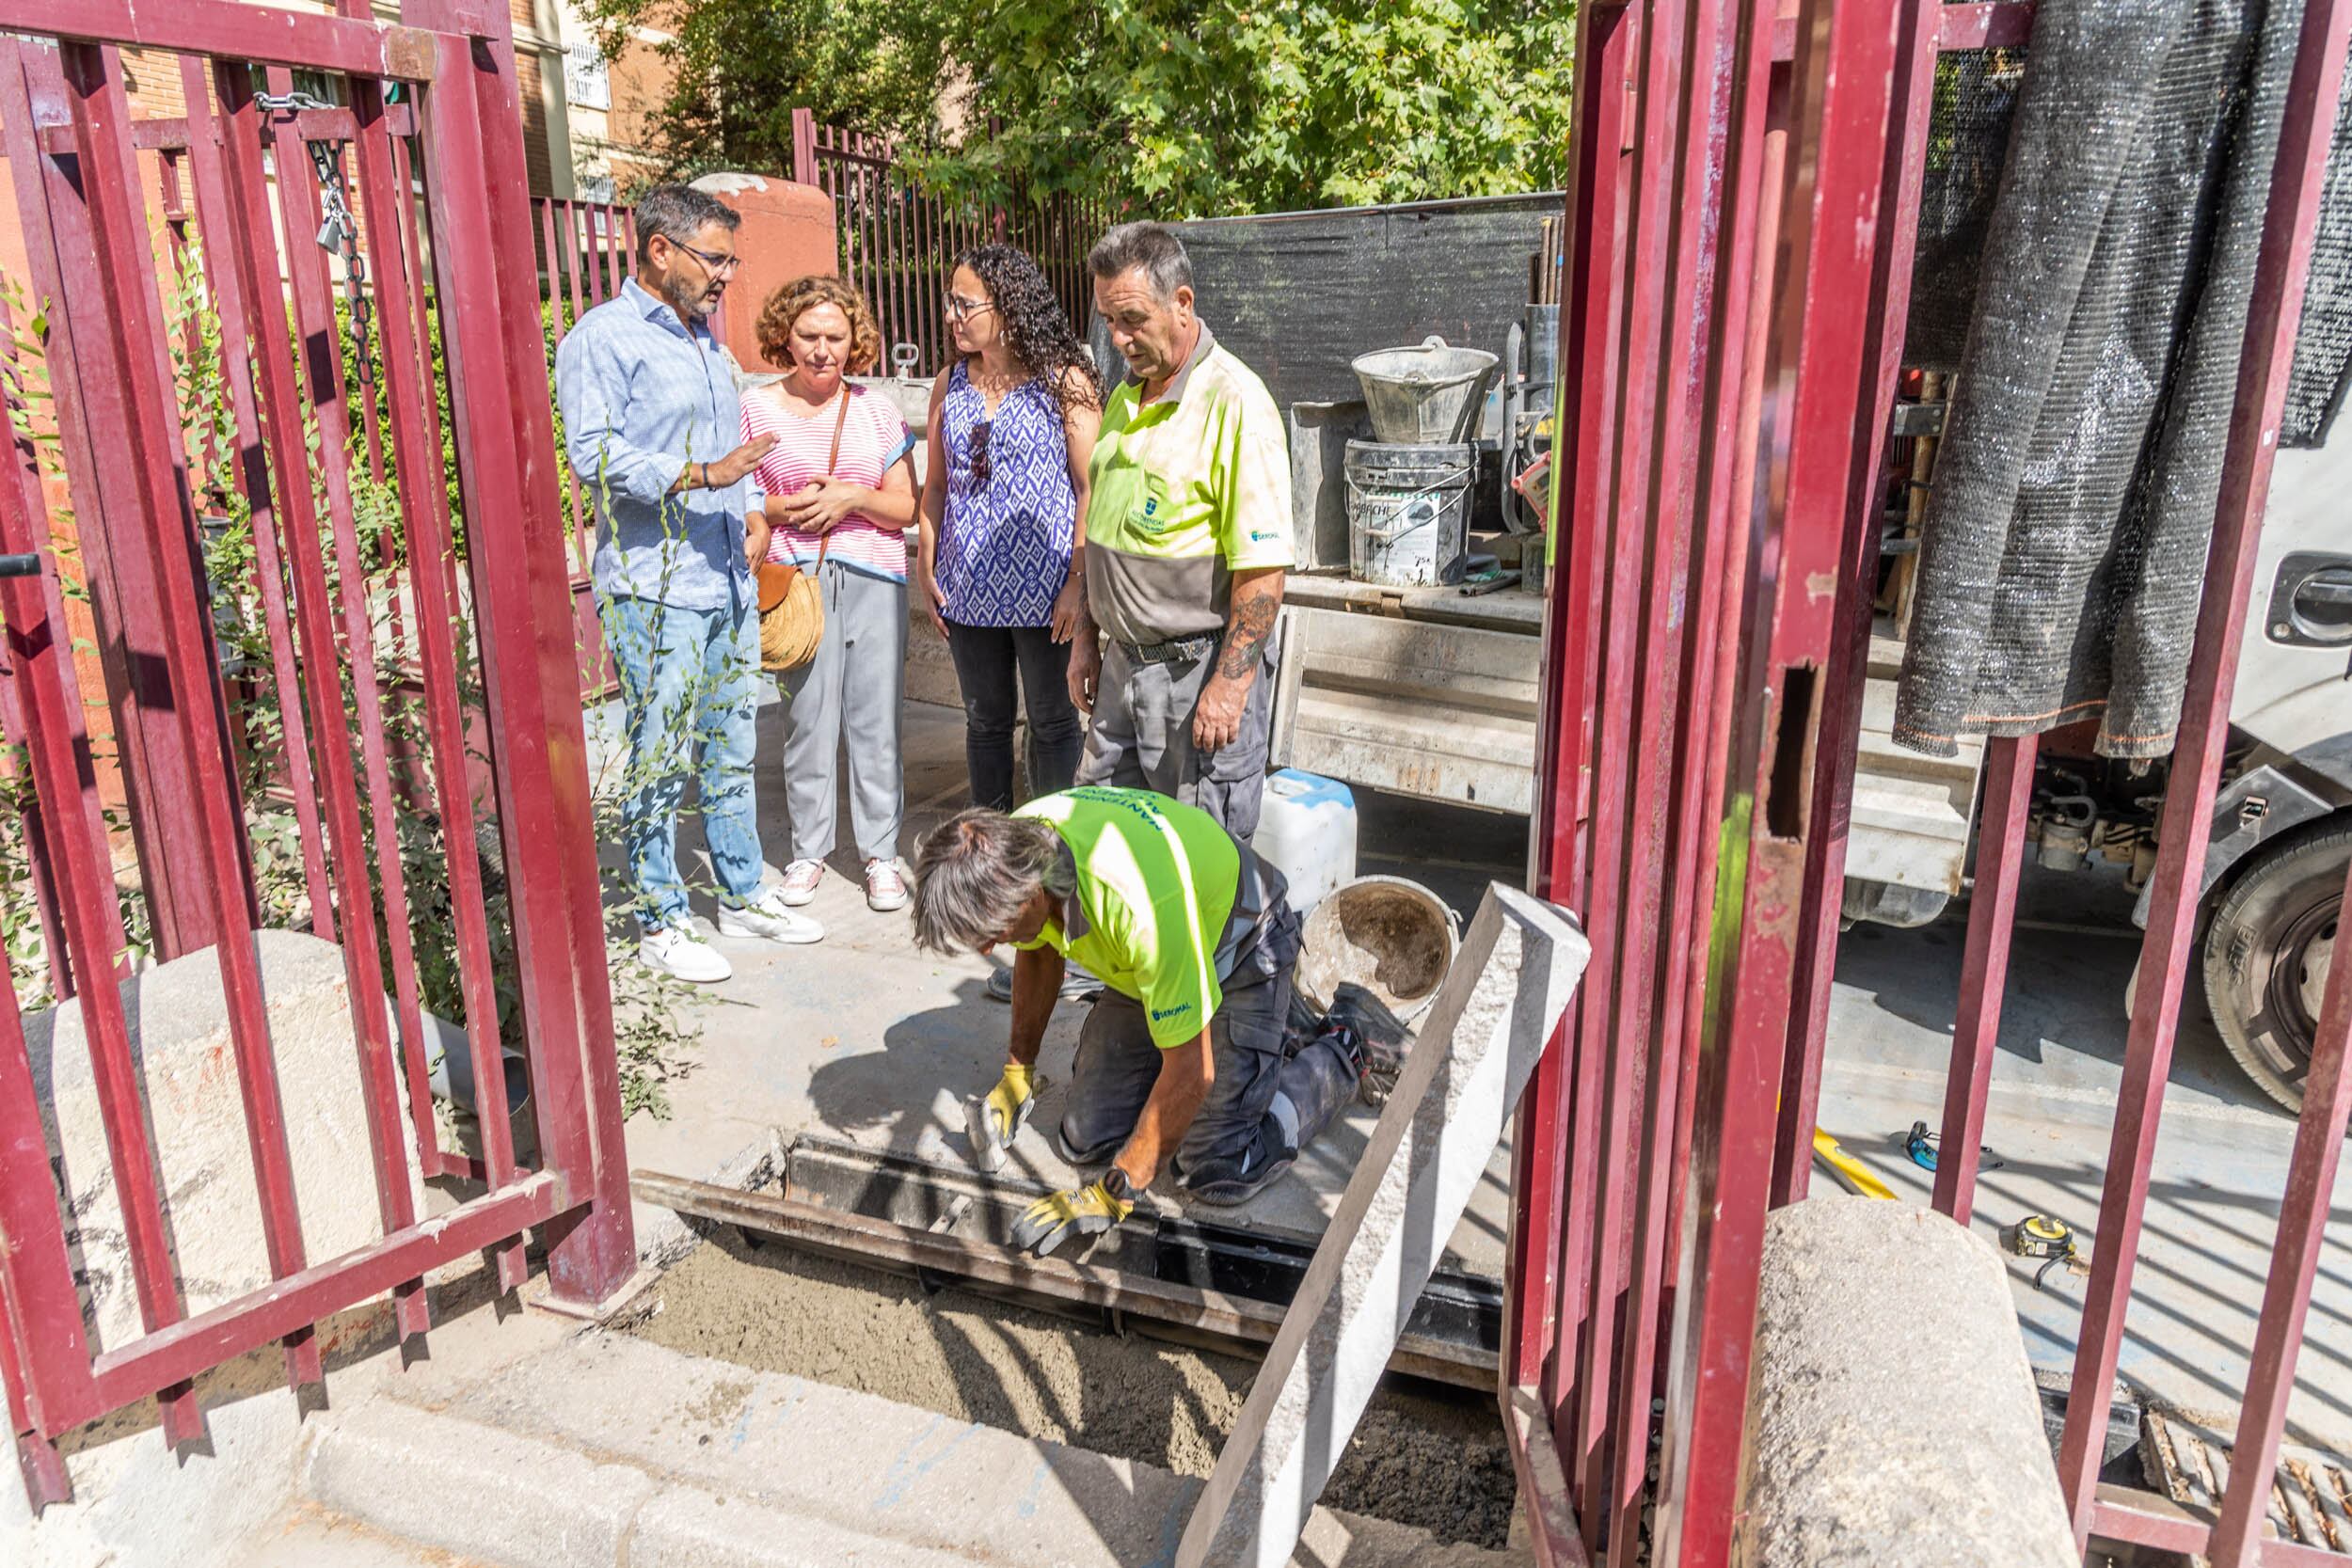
(725, 266)
(960, 309)
(980, 452)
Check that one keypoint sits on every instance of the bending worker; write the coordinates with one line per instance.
(1193, 938)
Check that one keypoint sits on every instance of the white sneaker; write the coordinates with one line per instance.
(885, 886)
(800, 881)
(766, 918)
(675, 950)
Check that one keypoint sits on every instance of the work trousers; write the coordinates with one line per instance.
(1000, 669)
(1263, 1106)
(850, 692)
(1141, 736)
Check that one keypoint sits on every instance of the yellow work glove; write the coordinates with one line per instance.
(1089, 1210)
(995, 1118)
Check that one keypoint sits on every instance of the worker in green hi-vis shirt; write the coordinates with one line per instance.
(1193, 938)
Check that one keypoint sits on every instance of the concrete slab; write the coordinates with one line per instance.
(187, 1068)
(755, 1468)
(1519, 964)
(1869, 1314)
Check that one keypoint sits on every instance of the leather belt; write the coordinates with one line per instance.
(1181, 650)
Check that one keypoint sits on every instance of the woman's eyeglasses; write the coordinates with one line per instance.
(960, 309)
(979, 453)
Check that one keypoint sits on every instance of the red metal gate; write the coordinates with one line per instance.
(436, 314)
(1743, 213)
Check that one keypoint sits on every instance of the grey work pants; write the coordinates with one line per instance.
(851, 692)
(1263, 1107)
(1141, 736)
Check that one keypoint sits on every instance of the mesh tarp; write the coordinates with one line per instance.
(2064, 543)
(1975, 103)
(2323, 349)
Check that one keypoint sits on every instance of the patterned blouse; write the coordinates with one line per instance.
(1004, 545)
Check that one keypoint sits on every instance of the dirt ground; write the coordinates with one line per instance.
(1428, 1459)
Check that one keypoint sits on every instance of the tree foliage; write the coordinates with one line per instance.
(740, 66)
(1180, 109)
(1175, 108)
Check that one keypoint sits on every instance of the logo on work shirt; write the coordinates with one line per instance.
(1161, 1015)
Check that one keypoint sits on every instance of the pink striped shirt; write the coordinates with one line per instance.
(873, 433)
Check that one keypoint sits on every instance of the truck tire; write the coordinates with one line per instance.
(2266, 955)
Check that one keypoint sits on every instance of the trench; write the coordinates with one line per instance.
(1423, 1454)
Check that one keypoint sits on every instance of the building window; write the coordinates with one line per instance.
(587, 84)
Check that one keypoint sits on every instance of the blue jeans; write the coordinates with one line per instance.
(689, 680)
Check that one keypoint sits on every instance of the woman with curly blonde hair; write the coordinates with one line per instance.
(840, 497)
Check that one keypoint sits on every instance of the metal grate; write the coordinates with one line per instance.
(2310, 1496)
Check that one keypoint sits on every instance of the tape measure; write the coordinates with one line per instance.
(2039, 1236)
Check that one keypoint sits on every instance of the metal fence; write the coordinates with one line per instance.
(381, 668)
(1743, 219)
(899, 243)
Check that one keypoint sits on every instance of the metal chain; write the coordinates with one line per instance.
(339, 233)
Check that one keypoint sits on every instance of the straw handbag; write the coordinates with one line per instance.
(791, 601)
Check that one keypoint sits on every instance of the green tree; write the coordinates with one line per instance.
(740, 68)
(1181, 109)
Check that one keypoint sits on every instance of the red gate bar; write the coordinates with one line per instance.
(1598, 1152)
(124, 261)
(417, 458)
(1683, 614)
(2008, 798)
(1816, 391)
(300, 204)
(2272, 316)
(1594, 296)
(497, 389)
(1845, 671)
(322, 660)
(59, 755)
(84, 368)
(225, 280)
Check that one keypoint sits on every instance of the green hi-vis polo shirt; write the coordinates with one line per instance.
(1185, 491)
(1165, 898)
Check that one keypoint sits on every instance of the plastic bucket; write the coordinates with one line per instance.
(1408, 512)
(1432, 394)
(1394, 937)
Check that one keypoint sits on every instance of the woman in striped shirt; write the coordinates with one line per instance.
(847, 523)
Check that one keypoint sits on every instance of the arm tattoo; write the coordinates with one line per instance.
(1246, 634)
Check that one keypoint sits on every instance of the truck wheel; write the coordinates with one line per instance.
(2267, 956)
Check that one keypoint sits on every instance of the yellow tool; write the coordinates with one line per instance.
(1852, 1172)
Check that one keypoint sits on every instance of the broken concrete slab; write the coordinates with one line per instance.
(1517, 967)
(187, 1065)
(1868, 1313)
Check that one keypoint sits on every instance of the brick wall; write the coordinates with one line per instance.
(536, 155)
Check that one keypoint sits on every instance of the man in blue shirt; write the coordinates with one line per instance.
(651, 426)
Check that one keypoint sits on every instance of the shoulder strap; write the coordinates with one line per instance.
(840, 421)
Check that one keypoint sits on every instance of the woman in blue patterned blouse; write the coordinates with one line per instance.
(1001, 566)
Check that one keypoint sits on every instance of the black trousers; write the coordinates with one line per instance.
(989, 662)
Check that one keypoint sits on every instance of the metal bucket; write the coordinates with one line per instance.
(1427, 395)
(1409, 512)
